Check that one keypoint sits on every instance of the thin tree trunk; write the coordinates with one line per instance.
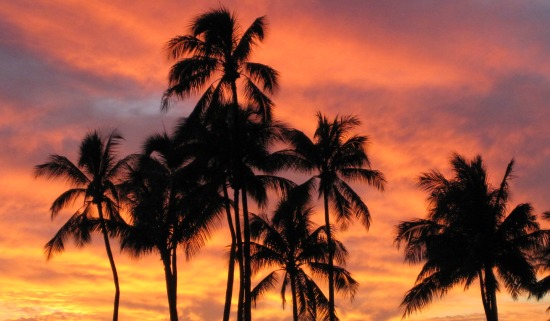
(488, 294)
(231, 267)
(490, 281)
(294, 298)
(240, 307)
(111, 261)
(171, 284)
(332, 312)
(247, 265)
(244, 308)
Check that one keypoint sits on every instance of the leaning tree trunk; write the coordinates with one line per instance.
(232, 253)
(332, 311)
(111, 260)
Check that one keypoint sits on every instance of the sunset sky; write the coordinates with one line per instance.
(427, 78)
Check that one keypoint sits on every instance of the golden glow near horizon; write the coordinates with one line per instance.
(426, 80)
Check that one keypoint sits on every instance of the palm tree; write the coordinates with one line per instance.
(214, 150)
(292, 245)
(215, 48)
(168, 207)
(94, 180)
(336, 156)
(467, 236)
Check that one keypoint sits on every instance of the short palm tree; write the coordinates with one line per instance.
(336, 156)
(467, 236)
(291, 244)
(94, 180)
(168, 207)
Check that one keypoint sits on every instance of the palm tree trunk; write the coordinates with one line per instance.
(111, 260)
(171, 284)
(231, 268)
(244, 291)
(238, 234)
(488, 294)
(247, 265)
(332, 312)
(294, 298)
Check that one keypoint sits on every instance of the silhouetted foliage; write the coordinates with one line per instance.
(336, 156)
(94, 179)
(467, 236)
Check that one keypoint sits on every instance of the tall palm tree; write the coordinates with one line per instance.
(214, 150)
(336, 156)
(168, 207)
(292, 245)
(216, 48)
(467, 236)
(94, 179)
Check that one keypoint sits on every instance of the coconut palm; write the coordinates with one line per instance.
(468, 236)
(336, 156)
(168, 206)
(94, 180)
(216, 49)
(292, 245)
(214, 150)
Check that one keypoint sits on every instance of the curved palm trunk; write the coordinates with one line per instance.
(332, 312)
(111, 260)
(294, 298)
(487, 283)
(232, 253)
(247, 265)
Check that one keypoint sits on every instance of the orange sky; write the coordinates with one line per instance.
(427, 78)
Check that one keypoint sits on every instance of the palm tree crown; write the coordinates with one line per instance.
(468, 236)
(216, 48)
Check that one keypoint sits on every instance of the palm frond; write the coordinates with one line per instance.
(60, 167)
(66, 198)
(266, 284)
(263, 75)
(250, 38)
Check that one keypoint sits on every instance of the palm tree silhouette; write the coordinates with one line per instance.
(216, 47)
(336, 156)
(94, 180)
(467, 236)
(214, 151)
(291, 244)
(168, 207)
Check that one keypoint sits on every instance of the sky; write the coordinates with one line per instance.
(426, 78)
